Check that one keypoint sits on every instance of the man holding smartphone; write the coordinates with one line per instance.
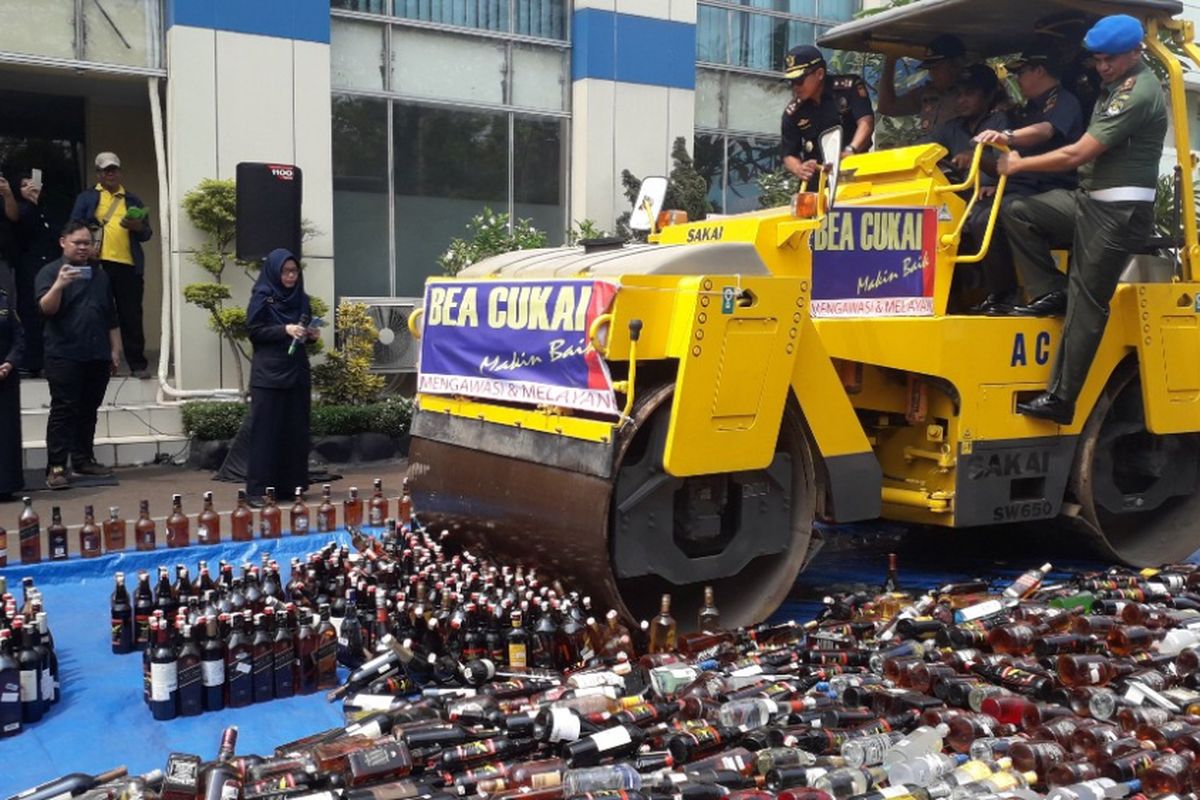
(82, 349)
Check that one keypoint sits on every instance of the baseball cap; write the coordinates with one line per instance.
(1115, 34)
(106, 160)
(801, 60)
(943, 48)
(1036, 56)
(979, 76)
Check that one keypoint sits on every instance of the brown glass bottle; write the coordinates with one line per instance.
(1088, 670)
(518, 645)
(3, 547)
(178, 534)
(662, 628)
(405, 510)
(326, 512)
(29, 531)
(56, 536)
(89, 535)
(299, 514)
(114, 531)
(306, 654)
(208, 523)
(352, 512)
(271, 518)
(377, 509)
(326, 652)
(241, 521)
(144, 534)
(1125, 640)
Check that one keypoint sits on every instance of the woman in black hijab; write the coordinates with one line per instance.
(11, 348)
(280, 383)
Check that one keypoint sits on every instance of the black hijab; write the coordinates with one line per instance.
(270, 301)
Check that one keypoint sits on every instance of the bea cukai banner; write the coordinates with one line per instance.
(517, 342)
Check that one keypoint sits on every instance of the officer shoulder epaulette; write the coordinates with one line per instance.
(791, 108)
(844, 82)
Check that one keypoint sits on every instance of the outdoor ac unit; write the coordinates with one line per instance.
(395, 350)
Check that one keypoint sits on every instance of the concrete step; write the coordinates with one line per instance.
(35, 393)
(142, 419)
(120, 451)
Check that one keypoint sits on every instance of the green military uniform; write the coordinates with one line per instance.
(1110, 216)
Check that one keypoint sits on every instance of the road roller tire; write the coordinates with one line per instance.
(1138, 492)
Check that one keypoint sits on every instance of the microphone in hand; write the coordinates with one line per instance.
(304, 320)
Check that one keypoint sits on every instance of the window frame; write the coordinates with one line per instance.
(509, 35)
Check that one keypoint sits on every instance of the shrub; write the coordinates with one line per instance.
(393, 416)
(345, 377)
(489, 234)
(209, 420)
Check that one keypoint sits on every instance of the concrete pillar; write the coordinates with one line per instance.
(247, 81)
(633, 71)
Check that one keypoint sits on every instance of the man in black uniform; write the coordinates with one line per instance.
(819, 102)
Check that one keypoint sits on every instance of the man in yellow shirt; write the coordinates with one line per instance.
(123, 226)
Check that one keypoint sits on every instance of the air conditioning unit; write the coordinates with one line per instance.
(395, 350)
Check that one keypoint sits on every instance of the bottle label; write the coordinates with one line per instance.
(564, 726)
(118, 629)
(611, 738)
(213, 672)
(300, 524)
(517, 656)
(164, 681)
(265, 662)
(29, 685)
(59, 550)
(230, 790)
(202, 534)
(28, 533)
(891, 792)
(376, 515)
(242, 665)
(546, 780)
(47, 683)
(190, 675)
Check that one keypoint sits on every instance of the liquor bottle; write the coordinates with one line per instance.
(284, 654)
(350, 634)
(662, 629)
(708, 619)
(178, 534)
(221, 779)
(29, 533)
(892, 582)
(352, 511)
(56, 536)
(239, 666)
(3, 547)
(190, 671)
(212, 665)
(262, 654)
(306, 655)
(143, 530)
(114, 531)
(71, 785)
(377, 510)
(10, 686)
(122, 617)
(326, 651)
(518, 645)
(208, 523)
(299, 515)
(614, 743)
(89, 535)
(29, 662)
(270, 517)
(327, 511)
(241, 521)
(143, 608)
(164, 678)
(45, 646)
(1027, 583)
(405, 510)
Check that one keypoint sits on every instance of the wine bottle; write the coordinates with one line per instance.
(10, 687)
(212, 665)
(143, 608)
(122, 617)
(164, 678)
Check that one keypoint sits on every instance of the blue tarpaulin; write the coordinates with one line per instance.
(101, 721)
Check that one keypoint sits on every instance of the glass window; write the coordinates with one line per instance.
(539, 77)
(44, 28)
(360, 196)
(448, 66)
(539, 191)
(839, 10)
(123, 32)
(756, 104)
(356, 54)
(363, 6)
(748, 158)
(544, 18)
(449, 166)
(712, 35)
(807, 8)
(760, 41)
(709, 161)
(708, 98)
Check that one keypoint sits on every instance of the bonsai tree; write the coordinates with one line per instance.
(345, 375)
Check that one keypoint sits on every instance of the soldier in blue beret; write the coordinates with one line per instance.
(1108, 217)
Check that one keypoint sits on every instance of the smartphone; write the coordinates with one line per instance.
(84, 272)
(35, 179)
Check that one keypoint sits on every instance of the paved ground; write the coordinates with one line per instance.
(158, 483)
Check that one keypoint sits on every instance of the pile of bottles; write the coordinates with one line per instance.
(110, 535)
(29, 678)
(1080, 688)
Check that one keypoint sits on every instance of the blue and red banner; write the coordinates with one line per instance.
(873, 261)
(516, 341)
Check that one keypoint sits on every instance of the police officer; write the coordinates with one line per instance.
(1050, 118)
(1109, 216)
(935, 100)
(821, 101)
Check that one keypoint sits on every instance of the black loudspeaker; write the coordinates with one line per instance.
(268, 209)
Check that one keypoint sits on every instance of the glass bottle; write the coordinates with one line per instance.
(208, 523)
(114, 531)
(241, 521)
(353, 509)
(178, 534)
(1027, 583)
(122, 616)
(892, 582)
(212, 665)
(708, 619)
(326, 652)
(662, 629)
(306, 655)
(405, 510)
(518, 645)
(143, 608)
(239, 666)
(377, 510)
(262, 655)
(89, 535)
(284, 652)
(29, 533)
(164, 678)
(56, 536)
(190, 675)
(3, 547)
(299, 514)
(327, 511)
(271, 518)
(143, 530)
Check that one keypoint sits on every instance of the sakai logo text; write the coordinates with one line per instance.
(1010, 465)
(1015, 512)
(1041, 350)
(706, 234)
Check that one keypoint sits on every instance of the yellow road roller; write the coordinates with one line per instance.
(659, 416)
